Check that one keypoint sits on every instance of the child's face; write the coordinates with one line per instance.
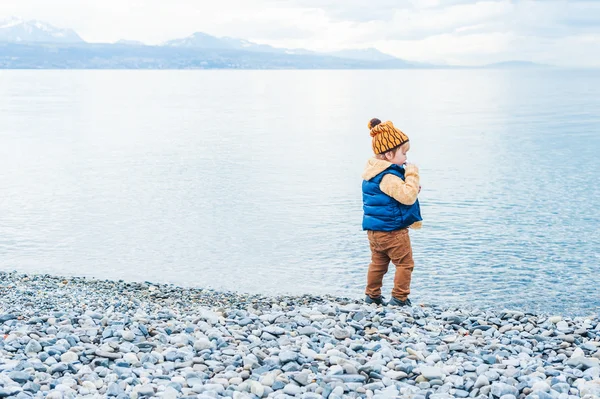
(399, 158)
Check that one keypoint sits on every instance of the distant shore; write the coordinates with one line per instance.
(67, 337)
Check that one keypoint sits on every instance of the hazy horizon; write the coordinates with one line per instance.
(454, 32)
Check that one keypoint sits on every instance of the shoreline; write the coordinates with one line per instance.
(67, 337)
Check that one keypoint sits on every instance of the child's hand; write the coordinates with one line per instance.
(411, 168)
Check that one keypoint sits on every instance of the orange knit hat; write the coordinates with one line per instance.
(385, 136)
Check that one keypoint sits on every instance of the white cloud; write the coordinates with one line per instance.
(451, 31)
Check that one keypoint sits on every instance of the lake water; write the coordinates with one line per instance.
(250, 180)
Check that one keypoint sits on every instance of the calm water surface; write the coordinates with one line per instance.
(250, 180)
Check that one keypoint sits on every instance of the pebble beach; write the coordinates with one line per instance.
(75, 337)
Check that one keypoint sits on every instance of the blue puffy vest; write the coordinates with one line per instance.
(382, 212)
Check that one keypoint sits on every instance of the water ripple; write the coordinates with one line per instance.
(250, 180)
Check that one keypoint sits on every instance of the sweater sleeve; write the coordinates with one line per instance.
(404, 191)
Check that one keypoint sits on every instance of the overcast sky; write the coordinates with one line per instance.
(558, 32)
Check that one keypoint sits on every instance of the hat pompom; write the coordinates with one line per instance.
(373, 122)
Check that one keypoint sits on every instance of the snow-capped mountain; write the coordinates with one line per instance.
(203, 40)
(17, 30)
(18, 38)
(198, 39)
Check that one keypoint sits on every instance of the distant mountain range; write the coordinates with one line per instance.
(39, 45)
(16, 30)
(202, 40)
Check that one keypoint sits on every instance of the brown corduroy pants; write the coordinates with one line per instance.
(389, 246)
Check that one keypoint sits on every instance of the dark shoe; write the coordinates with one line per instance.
(397, 302)
(379, 300)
